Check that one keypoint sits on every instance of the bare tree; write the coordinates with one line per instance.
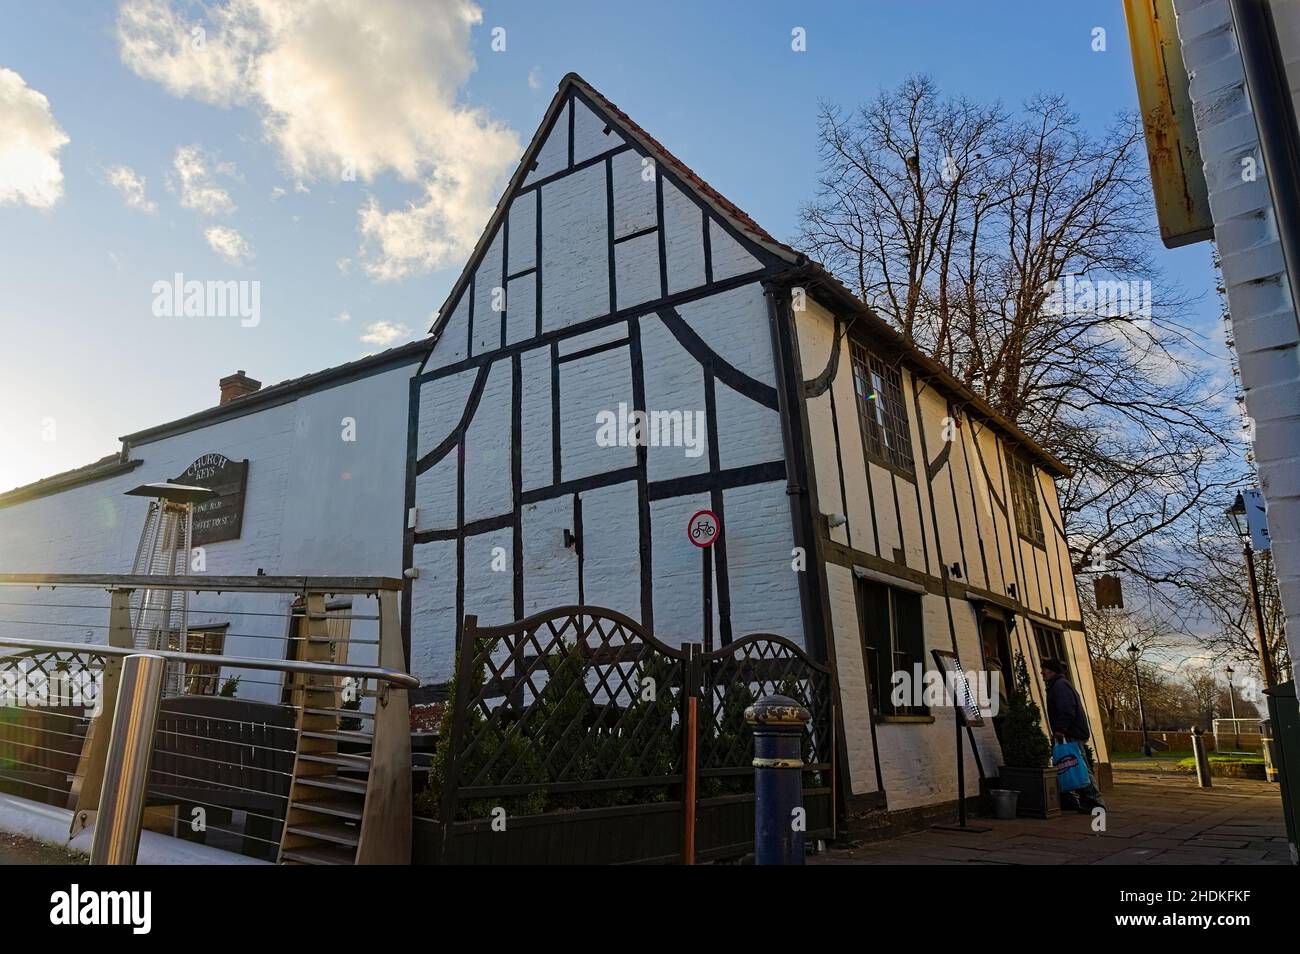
(1110, 633)
(1205, 694)
(1217, 583)
(1015, 249)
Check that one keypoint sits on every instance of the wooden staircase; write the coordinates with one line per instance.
(350, 796)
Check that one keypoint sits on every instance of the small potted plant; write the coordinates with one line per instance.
(1027, 752)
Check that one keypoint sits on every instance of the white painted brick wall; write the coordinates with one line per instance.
(535, 418)
(588, 387)
(521, 305)
(315, 505)
(634, 194)
(730, 258)
(673, 381)
(487, 456)
(550, 568)
(589, 135)
(523, 234)
(683, 240)
(441, 408)
(1259, 298)
(610, 548)
(554, 154)
(575, 251)
(764, 584)
(636, 269)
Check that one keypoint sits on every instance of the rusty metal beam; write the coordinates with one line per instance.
(1177, 177)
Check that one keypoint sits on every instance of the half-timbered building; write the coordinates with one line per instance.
(626, 348)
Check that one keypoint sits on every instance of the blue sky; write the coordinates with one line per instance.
(717, 83)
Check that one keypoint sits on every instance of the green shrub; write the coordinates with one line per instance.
(498, 745)
(1024, 744)
(564, 740)
(731, 734)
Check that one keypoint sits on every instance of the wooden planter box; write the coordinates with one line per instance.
(1040, 796)
(628, 834)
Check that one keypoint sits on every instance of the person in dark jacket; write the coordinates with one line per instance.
(1069, 723)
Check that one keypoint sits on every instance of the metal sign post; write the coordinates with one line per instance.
(966, 712)
(703, 531)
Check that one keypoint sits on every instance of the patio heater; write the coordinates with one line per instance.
(159, 617)
(1232, 702)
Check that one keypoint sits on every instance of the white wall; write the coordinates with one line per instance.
(1264, 320)
(469, 568)
(315, 505)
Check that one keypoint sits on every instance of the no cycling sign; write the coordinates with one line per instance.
(704, 528)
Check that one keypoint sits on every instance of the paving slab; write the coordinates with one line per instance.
(1157, 818)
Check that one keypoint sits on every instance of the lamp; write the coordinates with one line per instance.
(1237, 512)
(1134, 652)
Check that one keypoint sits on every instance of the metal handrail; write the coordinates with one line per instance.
(208, 584)
(391, 676)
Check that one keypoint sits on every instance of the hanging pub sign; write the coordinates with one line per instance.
(220, 517)
(1107, 590)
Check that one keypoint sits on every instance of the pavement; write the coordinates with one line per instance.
(1153, 817)
(36, 822)
(17, 850)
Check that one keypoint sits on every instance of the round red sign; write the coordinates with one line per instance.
(704, 528)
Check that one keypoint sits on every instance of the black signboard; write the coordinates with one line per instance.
(221, 517)
(1108, 592)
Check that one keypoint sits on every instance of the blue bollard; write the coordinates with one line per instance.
(779, 723)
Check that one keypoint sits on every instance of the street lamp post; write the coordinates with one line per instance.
(1232, 703)
(1134, 652)
(1238, 514)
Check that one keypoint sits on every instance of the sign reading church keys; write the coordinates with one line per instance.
(220, 517)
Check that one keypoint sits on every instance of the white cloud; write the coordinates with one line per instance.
(126, 181)
(30, 141)
(535, 78)
(368, 86)
(384, 333)
(344, 316)
(229, 244)
(193, 182)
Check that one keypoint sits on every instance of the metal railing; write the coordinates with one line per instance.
(228, 752)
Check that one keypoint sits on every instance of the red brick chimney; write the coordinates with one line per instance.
(236, 386)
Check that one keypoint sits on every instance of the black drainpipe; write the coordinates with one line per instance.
(800, 480)
(1275, 119)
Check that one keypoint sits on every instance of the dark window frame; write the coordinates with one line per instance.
(896, 614)
(1051, 644)
(882, 411)
(1025, 499)
(201, 679)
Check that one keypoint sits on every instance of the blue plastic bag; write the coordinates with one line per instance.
(1072, 767)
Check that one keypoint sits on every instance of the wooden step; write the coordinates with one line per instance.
(338, 735)
(341, 713)
(332, 783)
(341, 759)
(336, 832)
(320, 855)
(338, 807)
